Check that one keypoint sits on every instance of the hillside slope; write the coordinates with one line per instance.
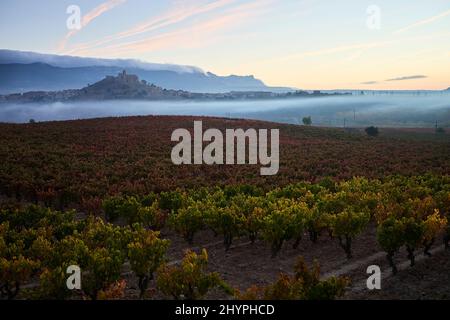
(80, 161)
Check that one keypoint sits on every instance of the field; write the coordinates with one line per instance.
(342, 198)
(77, 163)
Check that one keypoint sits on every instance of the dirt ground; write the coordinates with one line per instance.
(428, 280)
(247, 264)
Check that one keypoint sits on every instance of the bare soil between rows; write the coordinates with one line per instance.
(247, 264)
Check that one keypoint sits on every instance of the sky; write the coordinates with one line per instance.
(307, 44)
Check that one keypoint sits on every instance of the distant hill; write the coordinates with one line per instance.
(126, 86)
(28, 71)
(121, 87)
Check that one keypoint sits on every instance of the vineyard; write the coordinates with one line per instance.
(103, 195)
(78, 163)
(38, 244)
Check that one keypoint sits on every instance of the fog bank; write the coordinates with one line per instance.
(401, 110)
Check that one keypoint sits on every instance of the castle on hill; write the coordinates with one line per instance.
(127, 78)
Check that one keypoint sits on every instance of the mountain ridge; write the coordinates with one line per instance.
(67, 61)
(27, 71)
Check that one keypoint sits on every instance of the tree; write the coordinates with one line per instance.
(413, 234)
(52, 284)
(190, 280)
(390, 236)
(16, 267)
(253, 223)
(433, 226)
(252, 210)
(278, 225)
(102, 268)
(126, 208)
(227, 221)
(307, 121)
(300, 212)
(115, 291)
(305, 284)
(172, 200)
(316, 222)
(346, 225)
(152, 216)
(55, 258)
(13, 273)
(372, 131)
(447, 237)
(188, 221)
(146, 253)
(134, 210)
(103, 261)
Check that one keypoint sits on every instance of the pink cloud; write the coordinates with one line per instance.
(424, 22)
(181, 12)
(186, 36)
(89, 17)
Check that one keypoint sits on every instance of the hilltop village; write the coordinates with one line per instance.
(126, 86)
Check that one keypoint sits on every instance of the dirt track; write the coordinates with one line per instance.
(247, 264)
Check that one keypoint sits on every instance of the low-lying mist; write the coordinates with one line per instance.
(392, 110)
